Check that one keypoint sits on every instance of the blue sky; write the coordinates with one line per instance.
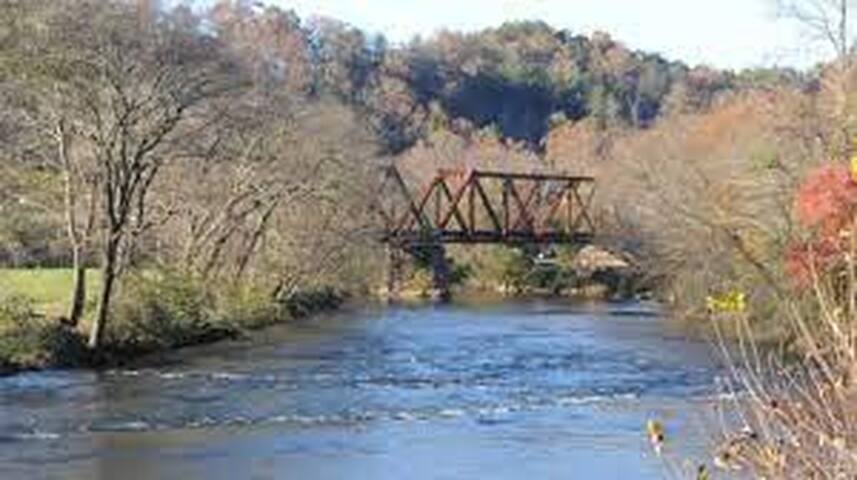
(722, 33)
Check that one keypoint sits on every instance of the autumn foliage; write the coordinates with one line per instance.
(825, 203)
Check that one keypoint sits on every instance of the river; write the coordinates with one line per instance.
(527, 390)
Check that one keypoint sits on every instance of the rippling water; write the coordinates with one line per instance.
(538, 390)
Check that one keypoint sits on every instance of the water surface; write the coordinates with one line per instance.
(527, 390)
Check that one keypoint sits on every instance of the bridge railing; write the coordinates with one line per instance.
(480, 206)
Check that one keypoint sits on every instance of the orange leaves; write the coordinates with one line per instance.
(717, 130)
(806, 261)
(269, 40)
(826, 202)
(827, 199)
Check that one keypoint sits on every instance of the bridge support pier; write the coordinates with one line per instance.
(440, 273)
(395, 270)
(437, 262)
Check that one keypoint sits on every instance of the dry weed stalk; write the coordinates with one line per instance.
(797, 413)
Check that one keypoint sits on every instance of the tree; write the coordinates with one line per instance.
(345, 61)
(270, 42)
(827, 20)
(118, 92)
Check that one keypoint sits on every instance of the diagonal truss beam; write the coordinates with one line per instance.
(490, 207)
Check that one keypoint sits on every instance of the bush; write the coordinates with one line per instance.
(154, 310)
(514, 267)
(28, 340)
(304, 303)
(248, 307)
(800, 416)
(161, 310)
(421, 281)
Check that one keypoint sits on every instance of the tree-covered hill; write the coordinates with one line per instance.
(515, 78)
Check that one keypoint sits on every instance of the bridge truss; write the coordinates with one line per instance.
(477, 206)
(480, 207)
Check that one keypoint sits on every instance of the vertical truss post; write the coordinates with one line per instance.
(471, 207)
(569, 201)
(438, 201)
(507, 187)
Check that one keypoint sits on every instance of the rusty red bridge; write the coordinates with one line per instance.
(480, 207)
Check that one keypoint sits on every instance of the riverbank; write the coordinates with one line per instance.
(168, 317)
(158, 311)
(592, 273)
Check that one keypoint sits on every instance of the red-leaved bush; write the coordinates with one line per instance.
(826, 203)
(802, 259)
(827, 199)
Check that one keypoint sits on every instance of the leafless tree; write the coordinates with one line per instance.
(827, 20)
(116, 93)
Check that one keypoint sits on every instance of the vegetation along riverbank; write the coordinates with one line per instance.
(155, 312)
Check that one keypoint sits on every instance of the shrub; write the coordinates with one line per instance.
(247, 307)
(304, 303)
(159, 310)
(30, 340)
(421, 281)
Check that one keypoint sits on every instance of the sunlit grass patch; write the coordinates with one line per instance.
(49, 289)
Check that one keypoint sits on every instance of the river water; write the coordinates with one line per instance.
(524, 390)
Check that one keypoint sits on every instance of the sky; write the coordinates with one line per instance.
(731, 34)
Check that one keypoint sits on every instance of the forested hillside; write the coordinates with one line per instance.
(516, 78)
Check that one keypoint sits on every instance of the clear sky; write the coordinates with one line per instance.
(722, 33)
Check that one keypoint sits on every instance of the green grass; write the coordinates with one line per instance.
(49, 289)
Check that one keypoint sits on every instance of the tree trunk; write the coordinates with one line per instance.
(108, 273)
(78, 298)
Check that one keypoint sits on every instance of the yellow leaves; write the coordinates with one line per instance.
(771, 457)
(733, 301)
(657, 437)
(853, 168)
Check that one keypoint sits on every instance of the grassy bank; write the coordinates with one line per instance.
(48, 289)
(155, 311)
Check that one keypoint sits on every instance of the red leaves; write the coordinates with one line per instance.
(825, 202)
(827, 199)
(807, 260)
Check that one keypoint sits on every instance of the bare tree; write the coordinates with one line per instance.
(117, 93)
(827, 20)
